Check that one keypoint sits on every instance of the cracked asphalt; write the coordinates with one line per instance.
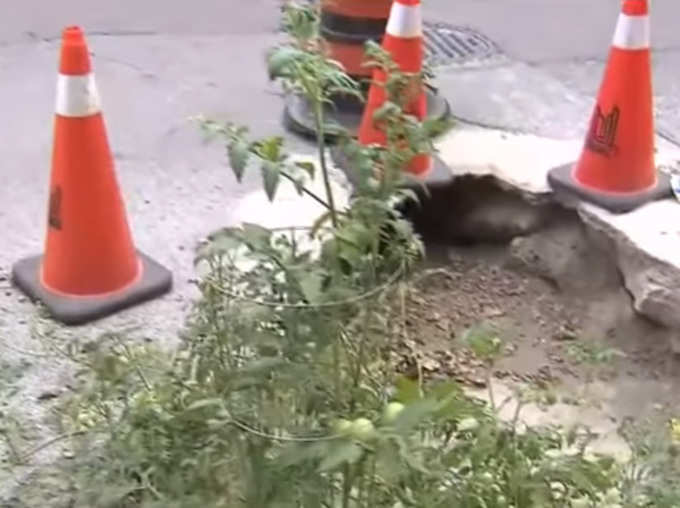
(160, 62)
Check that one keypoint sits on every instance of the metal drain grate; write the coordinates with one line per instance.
(447, 44)
(450, 44)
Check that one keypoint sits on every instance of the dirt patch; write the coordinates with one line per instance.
(584, 346)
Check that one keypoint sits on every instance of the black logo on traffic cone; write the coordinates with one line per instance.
(602, 133)
(54, 219)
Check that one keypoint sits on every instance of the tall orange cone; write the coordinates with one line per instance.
(404, 41)
(616, 168)
(90, 268)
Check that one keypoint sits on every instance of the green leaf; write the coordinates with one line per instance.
(238, 152)
(257, 236)
(268, 343)
(269, 149)
(415, 462)
(350, 254)
(356, 234)
(300, 21)
(484, 343)
(299, 186)
(308, 167)
(433, 127)
(281, 61)
(261, 366)
(409, 195)
(297, 453)
(210, 128)
(247, 383)
(407, 390)
(111, 495)
(413, 414)
(334, 128)
(389, 465)
(200, 404)
(385, 111)
(446, 389)
(271, 178)
(221, 242)
(107, 366)
(339, 453)
(311, 285)
(402, 228)
(319, 222)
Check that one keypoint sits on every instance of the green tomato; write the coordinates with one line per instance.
(341, 427)
(487, 477)
(362, 429)
(468, 425)
(613, 496)
(392, 411)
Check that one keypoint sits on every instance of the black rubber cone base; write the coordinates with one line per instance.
(562, 181)
(156, 280)
(299, 118)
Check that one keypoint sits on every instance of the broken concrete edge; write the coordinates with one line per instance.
(521, 160)
(646, 240)
(649, 275)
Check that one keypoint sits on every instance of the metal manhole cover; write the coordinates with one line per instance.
(446, 44)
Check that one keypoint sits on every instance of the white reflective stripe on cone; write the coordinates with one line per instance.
(632, 32)
(405, 21)
(77, 96)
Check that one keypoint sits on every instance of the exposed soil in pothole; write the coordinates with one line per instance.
(547, 285)
(551, 338)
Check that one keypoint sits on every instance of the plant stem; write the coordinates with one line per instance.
(371, 491)
(336, 371)
(321, 145)
(360, 358)
(305, 190)
(23, 458)
(492, 397)
(346, 486)
(361, 473)
(515, 418)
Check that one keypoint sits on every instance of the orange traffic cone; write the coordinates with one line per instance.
(90, 267)
(616, 168)
(404, 41)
